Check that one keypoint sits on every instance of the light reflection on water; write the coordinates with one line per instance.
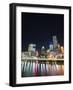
(31, 68)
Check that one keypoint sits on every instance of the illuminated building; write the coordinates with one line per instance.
(43, 52)
(50, 56)
(37, 53)
(51, 47)
(62, 49)
(55, 43)
(48, 50)
(25, 54)
(59, 48)
(32, 47)
(54, 51)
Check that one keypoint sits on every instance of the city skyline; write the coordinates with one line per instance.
(41, 32)
(38, 29)
(53, 45)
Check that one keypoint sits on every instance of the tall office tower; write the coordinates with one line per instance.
(55, 43)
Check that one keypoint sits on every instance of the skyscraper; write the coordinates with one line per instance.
(55, 43)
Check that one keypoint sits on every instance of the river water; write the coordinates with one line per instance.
(34, 68)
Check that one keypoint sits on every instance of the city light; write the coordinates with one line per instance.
(55, 51)
(43, 62)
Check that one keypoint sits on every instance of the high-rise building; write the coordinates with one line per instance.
(32, 49)
(55, 43)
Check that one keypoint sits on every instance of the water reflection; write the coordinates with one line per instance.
(33, 68)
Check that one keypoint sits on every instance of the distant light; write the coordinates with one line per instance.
(43, 47)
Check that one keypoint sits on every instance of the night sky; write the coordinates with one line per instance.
(39, 29)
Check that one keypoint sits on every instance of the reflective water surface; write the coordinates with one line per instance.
(32, 68)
